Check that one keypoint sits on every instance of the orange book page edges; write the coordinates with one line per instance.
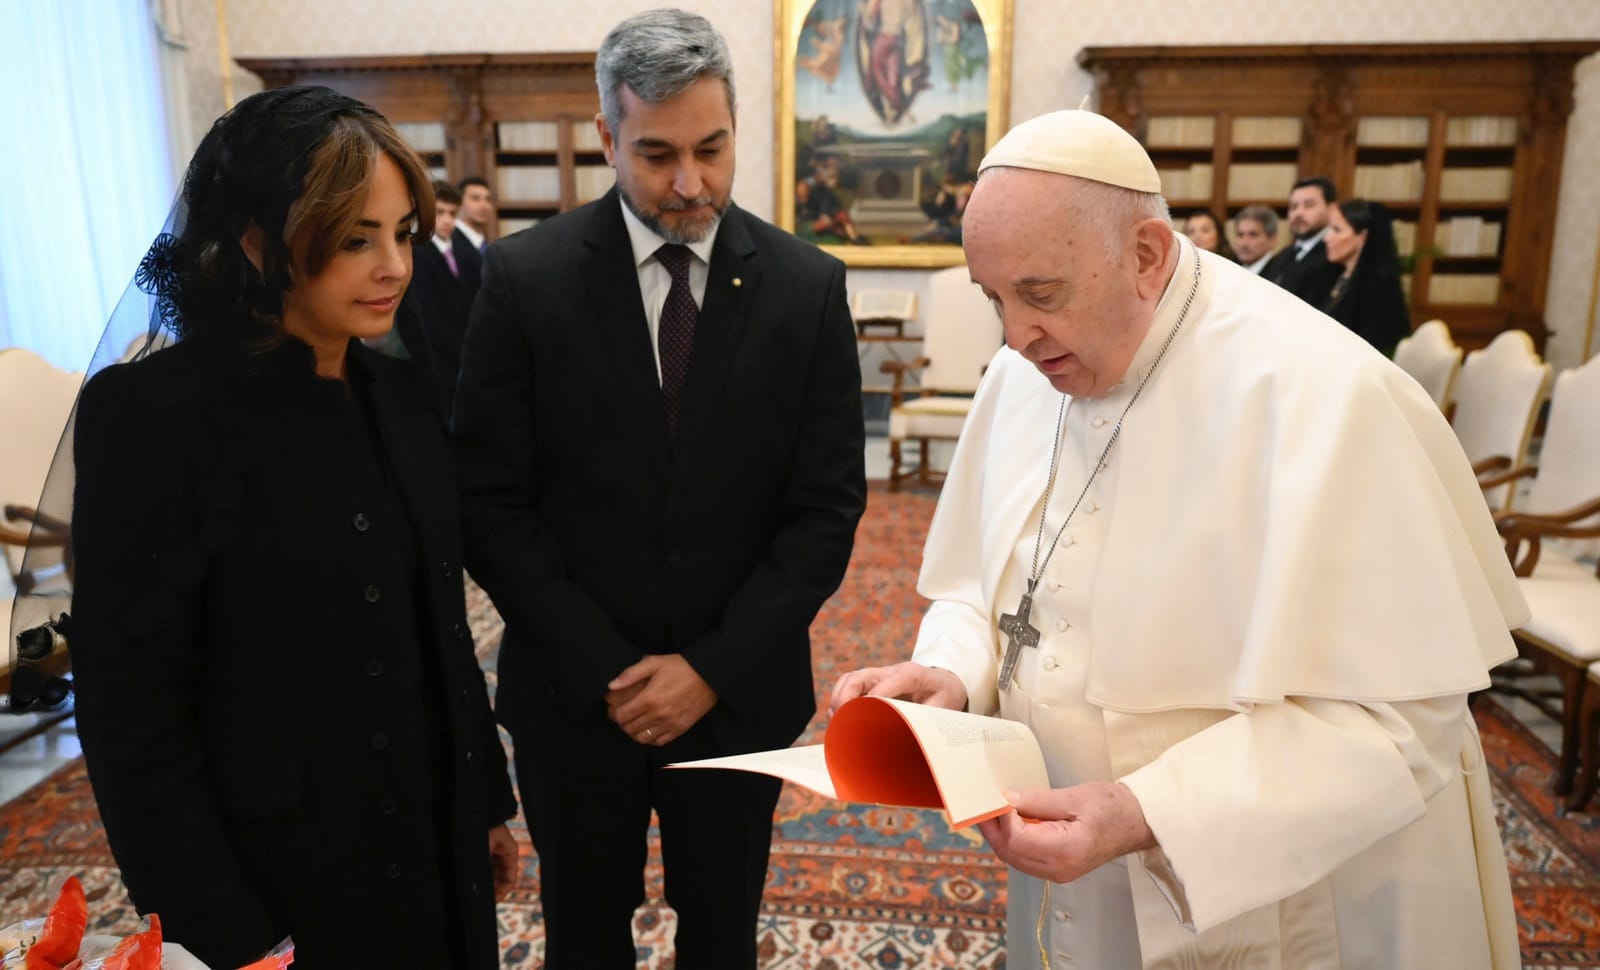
(874, 756)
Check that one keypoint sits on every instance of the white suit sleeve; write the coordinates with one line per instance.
(1261, 805)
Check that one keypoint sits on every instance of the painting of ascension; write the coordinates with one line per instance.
(887, 106)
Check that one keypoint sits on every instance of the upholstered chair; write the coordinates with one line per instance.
(1432, 357)
(961, 333)
(1497, 400)
(36, 400)
(1551, 540)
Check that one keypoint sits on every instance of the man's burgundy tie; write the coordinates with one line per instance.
(675, 337)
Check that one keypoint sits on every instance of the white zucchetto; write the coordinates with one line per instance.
(1080, 143)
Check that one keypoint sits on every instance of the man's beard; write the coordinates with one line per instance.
(681, 235)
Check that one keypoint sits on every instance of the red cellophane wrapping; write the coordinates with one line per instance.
(280, 958)
(63, 930)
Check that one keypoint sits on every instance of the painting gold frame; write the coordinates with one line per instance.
(789, 21)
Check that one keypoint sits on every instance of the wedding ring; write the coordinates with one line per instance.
(649, 734)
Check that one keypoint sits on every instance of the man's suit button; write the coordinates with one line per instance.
(469, 756)
(459, 632)
(374, 667)
(674, 556)
(388, 806)
(361, 522)
(380, 741)
(393, 871)
(447, 569)
(373, 594)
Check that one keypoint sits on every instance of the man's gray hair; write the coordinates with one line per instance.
(1261, 214)
(1109, 212)
(658, 54)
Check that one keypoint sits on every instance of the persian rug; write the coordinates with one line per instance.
(855, 887)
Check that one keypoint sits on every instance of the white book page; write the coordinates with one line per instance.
(975, 758)
(805, 766)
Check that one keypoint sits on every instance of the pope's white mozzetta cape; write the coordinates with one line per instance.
(1296, 583)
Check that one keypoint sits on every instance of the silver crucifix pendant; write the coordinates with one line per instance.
(1019, 634)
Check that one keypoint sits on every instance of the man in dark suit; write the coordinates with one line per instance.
(476, 212)
(1302, 267)
(660, 439)
(446, 272)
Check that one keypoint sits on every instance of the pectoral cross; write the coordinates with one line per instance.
(1019, 633)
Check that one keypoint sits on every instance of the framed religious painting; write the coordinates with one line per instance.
(885, 108)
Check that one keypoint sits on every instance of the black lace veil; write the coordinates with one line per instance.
(249, 168)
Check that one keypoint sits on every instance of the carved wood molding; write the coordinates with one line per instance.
(1332, 106)
(559, 62)
(1141, 57)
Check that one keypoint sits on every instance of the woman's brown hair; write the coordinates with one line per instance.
(295, 163)
(336, 185)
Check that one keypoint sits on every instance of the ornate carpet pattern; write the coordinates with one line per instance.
(858, 887)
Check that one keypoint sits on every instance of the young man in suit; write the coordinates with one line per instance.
(660, 438)
(444, 281)
(1302, 267)
(476, 212)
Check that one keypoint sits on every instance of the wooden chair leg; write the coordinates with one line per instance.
(1589, 750)
(922, 462)
(895, 475)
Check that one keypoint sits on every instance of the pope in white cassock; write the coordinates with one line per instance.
(1248, 580)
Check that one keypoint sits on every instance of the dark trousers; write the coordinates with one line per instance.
(587, 792)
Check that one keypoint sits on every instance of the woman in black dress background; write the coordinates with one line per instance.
(1367, 297)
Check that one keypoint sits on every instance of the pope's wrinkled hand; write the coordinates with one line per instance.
(657, 699)
(907, 681)
(1060, 834)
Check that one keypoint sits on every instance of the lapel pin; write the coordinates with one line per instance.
(737, 282)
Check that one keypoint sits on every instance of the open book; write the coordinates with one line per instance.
(894, 752)
(870, 305)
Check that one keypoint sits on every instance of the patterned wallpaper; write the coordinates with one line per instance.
(1045, 75)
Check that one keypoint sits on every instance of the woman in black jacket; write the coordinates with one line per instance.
(283, 719)
(1367, 298)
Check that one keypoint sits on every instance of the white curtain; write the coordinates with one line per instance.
(87, 168)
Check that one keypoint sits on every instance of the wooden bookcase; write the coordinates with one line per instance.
(525, 122)
(1463, 143)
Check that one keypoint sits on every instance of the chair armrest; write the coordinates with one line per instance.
(1523, 533)
(1501, 478)
(899, 368)
(893, 366)
(25, 513)
(1493, 464)
(47, 532)
(1551, 520)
